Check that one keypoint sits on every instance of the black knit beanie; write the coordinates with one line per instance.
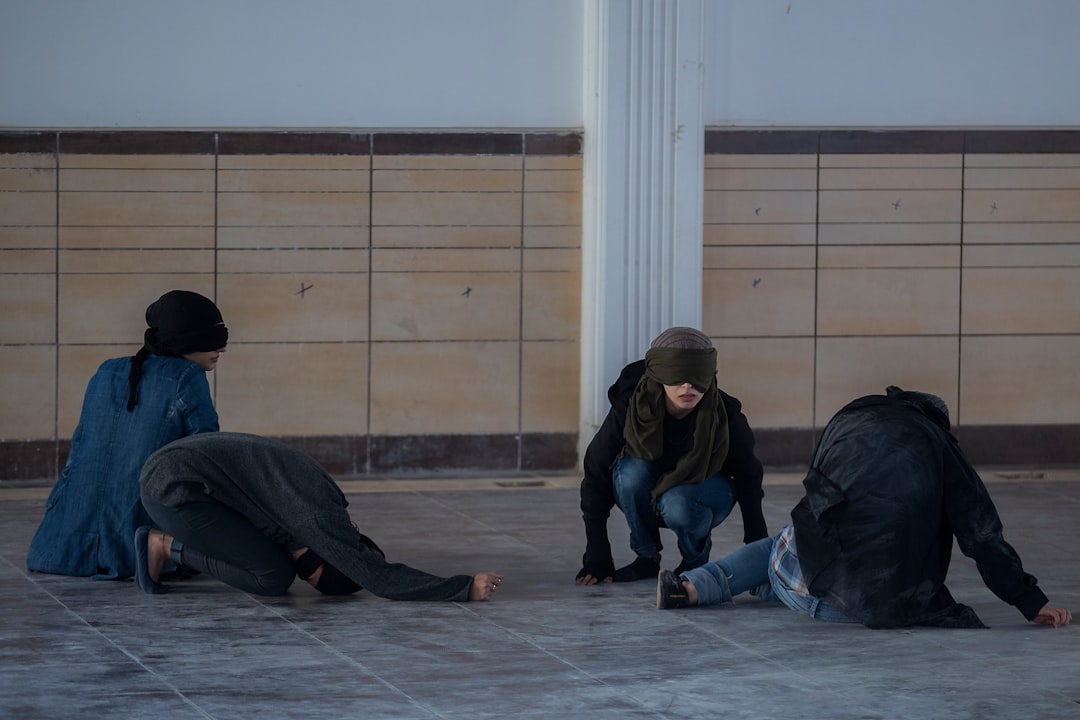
(180, 322)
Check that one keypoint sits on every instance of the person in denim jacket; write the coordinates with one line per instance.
(132, 406)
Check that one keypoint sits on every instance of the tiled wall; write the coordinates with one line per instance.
(395, 301)
(837, 263)
(408, 301)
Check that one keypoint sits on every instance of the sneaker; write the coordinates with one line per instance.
(670, 592)
(641, 569)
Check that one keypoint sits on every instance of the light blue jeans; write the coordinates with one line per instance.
(749, 569)
(691, 511)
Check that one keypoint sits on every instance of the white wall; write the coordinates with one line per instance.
(972, 63)
(289, 63)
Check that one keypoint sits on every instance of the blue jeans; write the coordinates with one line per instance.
(691, 511)
(749, 569)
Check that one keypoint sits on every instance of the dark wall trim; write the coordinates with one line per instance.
(289, 142)
(896, 142)
(356, 455)
(1015, 446)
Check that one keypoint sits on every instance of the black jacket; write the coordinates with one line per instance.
(742, 467)
(887, 490)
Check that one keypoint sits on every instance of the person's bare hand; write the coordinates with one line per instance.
(483, 584)
(588, 579)
(1053, 616)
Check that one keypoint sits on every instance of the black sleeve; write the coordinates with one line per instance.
(744, 470)
(979, 534)
(597, 488)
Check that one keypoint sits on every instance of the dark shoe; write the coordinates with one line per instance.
(684, 567)
(142, 565)
(640, 569)
(670, 592)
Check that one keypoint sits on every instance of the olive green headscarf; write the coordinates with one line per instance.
(644, 431)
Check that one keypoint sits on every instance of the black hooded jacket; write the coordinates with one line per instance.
(887, 491)
(742, 467)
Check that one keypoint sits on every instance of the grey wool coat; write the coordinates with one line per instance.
(290, 498)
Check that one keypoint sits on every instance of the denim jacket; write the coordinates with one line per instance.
(94, 509)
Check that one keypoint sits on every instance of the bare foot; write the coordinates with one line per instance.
(691, 592)
(157, 553)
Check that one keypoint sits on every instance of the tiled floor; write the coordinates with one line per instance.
(543, 648)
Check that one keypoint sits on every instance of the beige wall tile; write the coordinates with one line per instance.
(890, 256)
(891, 178)
(1041, 232)
(446, 208)
(1002, 301)
(1022, 205)
(136, 237)
(27, 179)
(28, 386)
(27, 309)
(573, 163)
(762, 234)
(772, 377)
(138, 162)
(553, 181)
(445, 306)
(296, 388)
(1009, 177)
(136, 261)
(1019, 380)
(915, 301)
(553, 260)
(292, 209)
(28, 261)
(889, 206)
(28, 208)
(783, 161)
(552, 208)
(551, 306)
(760, 206)
(550, 373)
(758, 303)
(890, 160)
(474, 180)
(848, 368)
(295, 308)
(23, 238)
(112, 308)
(76, 365)
(27, 161)
(293, 238)
(294, 162)
(134, 208)
(758, 257)
(291, 181)
(1020, 160)
(450, 236)
(568, 236)
(446, 162)
(889, 233)
(136, 180)
(738, 178)
(444, 387)
(293, 261)
(446, 260)
(1016, 256)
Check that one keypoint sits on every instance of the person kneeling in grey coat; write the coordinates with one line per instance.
(254, 512)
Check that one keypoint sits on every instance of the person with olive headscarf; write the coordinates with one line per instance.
(133, 405)
(674, 451)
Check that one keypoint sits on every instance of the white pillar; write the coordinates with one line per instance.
(644, 179)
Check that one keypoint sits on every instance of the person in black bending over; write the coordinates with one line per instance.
(674, 451)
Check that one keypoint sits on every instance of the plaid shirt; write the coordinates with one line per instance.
(784, 562)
